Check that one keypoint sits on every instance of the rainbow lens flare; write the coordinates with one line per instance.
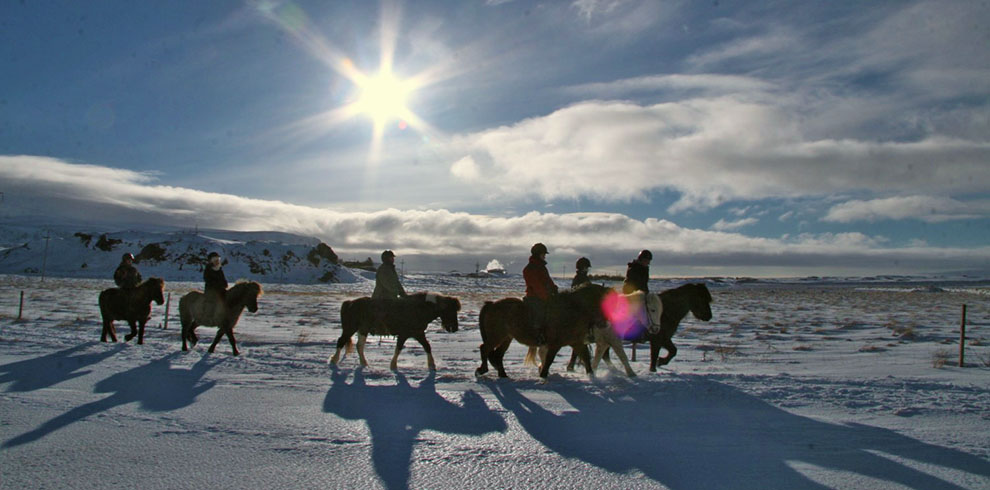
(627, 316)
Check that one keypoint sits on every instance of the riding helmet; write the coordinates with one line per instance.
(211, 255)
(387, 253)
(127, 256)
(538, 249)
(583, 263)
(645, 254)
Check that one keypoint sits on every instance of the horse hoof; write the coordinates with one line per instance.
(480, 371)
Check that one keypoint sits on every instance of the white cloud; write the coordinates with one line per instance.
(466, 169)
(711, 150)
(925, 208)
(57, 189)
(723, 225)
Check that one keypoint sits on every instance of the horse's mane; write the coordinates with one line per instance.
(692, 288)
(441, 300)
(157, 281)
(245, 287)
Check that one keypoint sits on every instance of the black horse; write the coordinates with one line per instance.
(404, 318)
(570, 315)
(677, 302)
(130, 305)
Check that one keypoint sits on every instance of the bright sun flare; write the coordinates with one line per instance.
(383, 97)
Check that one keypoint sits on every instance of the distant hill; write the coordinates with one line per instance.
(172, 255)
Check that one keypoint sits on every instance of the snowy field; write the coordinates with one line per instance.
(791, 385)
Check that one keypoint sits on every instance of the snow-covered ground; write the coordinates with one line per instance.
(791, 385)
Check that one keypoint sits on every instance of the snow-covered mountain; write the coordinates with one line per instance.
(177, 255)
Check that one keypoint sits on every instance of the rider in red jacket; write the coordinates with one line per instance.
(539, 288)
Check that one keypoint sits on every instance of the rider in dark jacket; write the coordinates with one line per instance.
(638, 274)
(215, 282)
(581, 276)
(387, 285)
(127, 276)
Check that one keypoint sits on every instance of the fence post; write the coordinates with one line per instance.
(168, 302)
(962, 338)
(20, 309)
(632, 347)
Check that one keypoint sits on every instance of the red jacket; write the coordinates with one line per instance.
(538, 280)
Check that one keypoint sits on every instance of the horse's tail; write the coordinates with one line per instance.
(531, 357)
(486, 310)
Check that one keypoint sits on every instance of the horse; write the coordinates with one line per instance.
(132, 305)
(195, 310)
(403, 317)
(570, 315)
(677, 302)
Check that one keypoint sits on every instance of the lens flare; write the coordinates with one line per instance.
(627, 316)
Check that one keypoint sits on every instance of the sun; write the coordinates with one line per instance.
(383, 97)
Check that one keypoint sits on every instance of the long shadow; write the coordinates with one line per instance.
(396, 414)
(51, 369)
(156, 386)
(699, 434)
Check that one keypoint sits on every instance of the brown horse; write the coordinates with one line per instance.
(195, 310)
(404, 317)
(131, 305)
(694, 298)
(570, 315)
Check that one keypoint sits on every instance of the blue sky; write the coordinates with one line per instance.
(731, 138)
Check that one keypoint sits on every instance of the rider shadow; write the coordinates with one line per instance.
(703, 434)
(49, 370)
(396, 414)
(156, 386)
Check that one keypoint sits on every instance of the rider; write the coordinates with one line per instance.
(387, 285)
(215, 287)
(638, 274)
(539, 288)
(127, 276)
(581, 276)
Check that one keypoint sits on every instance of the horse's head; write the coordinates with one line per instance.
(157, 288)
(701, 302)
(245, 293)
(448, 312)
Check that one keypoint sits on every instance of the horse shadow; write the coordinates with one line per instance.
(156, 386)
(701, 434)
(396, 414)
(49, 370)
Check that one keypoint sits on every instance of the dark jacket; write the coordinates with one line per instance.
(580, 277)
(387, 285)
(127, 276)
(215, 280)
(538, 281)
(637, 278)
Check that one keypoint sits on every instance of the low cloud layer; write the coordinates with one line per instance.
(711, 151)
(54, 188)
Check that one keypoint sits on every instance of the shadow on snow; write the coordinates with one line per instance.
(697, 433)
(49, 370)
(156, 386)
(396, 414)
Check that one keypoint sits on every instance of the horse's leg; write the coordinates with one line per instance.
(572, 361)
(619, 351)
(585, 358)
(548, 360)
(141, 331)
(183, 333)
(216, 340)
(233, 341)
(341, 345)
(668, 344)
(108, 330)
(484, 361)
(654, 353)
(362, 339)
(400, 341)
(128, 337)
(430, 363)
(496, 358)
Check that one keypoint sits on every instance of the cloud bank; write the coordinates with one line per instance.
(55, 188)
